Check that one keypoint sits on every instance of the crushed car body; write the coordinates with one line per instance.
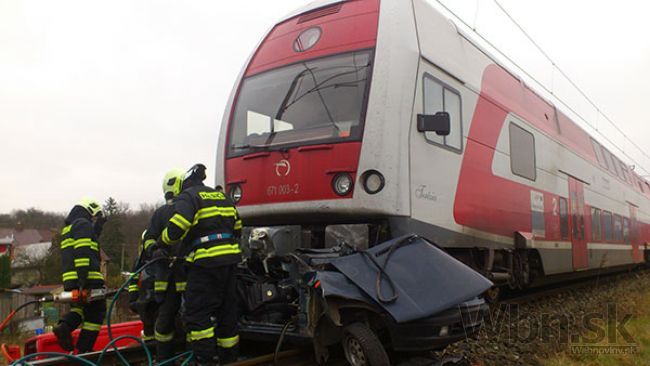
(408, 291)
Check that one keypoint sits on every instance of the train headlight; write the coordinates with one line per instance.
(307, 39)
(342, 184)
(235, 193)
(373, 181)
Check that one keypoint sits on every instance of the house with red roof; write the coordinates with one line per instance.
(24, 236)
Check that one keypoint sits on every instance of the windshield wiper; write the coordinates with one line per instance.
(287, 96)
(322, 100)
(317, 88)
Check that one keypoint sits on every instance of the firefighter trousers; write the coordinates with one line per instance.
(148, 312)
(212, 295)
(90, 316)
(166, 326)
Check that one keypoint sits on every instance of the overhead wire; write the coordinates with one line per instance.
(564, 74)
(550, 92)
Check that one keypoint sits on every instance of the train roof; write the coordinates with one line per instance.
(310, 7)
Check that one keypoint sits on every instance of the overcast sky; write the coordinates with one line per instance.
(101, 98)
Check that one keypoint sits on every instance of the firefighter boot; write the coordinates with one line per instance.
(63, 336)
(164, 350)
(228, 355)
(199, 361)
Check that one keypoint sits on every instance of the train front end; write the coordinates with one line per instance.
(293, 132)
(317, 126)
(313, 150)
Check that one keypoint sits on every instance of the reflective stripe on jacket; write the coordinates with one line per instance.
(201, 211)
(80, 255)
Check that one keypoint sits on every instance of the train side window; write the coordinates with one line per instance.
(607, 225)
(522, 152)
(603, 151)
(621, 170)
(618, 228)
(617, 166)
(440, 97)
(599, 153)
(610, 161)
(452, 105)
(626, 175)
(626, 230)
(596, 229)
(606, 157)
(564, 219)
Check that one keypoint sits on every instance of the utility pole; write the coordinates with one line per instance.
(122, 258)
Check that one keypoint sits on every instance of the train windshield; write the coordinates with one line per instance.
(318, 101)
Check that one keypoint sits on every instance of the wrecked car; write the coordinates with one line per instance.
(404, 294)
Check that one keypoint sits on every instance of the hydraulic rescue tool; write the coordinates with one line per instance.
(63, 297)
(78, 296)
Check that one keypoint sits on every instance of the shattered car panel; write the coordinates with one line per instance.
(416, 279)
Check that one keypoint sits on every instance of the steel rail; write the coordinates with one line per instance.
(135, 356)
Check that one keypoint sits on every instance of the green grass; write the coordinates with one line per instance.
(639, 328)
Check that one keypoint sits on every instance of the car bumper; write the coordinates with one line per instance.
(439, 330)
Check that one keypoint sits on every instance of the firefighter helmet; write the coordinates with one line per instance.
(92, 206)
(172, 183)
(196, 173)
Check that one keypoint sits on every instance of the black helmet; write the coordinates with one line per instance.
(195, 174)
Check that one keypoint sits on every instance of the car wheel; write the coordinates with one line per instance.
(362, 347)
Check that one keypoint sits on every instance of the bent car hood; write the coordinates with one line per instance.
(426, 279)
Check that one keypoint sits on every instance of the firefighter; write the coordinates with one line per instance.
(141, 293)
(169, 283)
(80, 264)
(207, 223)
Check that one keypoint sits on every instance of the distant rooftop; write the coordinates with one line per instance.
(25, 236)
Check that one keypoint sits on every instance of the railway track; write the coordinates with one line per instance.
(543, 293)
(136, 356)
(293, 357)
(540, 294)
(285, 358)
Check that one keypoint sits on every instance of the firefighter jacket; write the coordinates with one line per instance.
(80, 258)
(208, 224)
(160, 275)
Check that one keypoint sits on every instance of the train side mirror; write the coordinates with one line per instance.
(438, 123)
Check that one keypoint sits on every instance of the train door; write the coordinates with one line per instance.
(577, 224)
(435, 160)
(634, 235)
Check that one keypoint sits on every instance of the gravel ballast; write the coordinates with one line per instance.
(588, 319)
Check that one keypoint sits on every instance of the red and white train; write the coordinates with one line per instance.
(328, 136)
(322, 129)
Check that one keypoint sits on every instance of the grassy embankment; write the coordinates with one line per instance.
(638, 305)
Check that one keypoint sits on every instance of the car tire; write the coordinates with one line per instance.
(362, 347)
